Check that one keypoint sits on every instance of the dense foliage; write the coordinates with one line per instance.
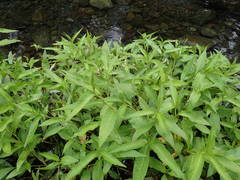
(151, 108)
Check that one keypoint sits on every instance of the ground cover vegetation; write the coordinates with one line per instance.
(151, 109)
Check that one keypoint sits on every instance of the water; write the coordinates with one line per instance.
(45, 21)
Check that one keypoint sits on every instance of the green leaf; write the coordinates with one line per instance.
(129, 146)
(50, 166)
(4, 30)
(25, 73)
(33, 127)
(201, 61)
(22, 158)
(139, 114)
(49, 156)
(53, 76)
(141, 130)
(5, 95)
(52, 130)
(88, 127)
(86, 174)
(141, 165)
(195, 166)
(97, 173)
(67, 160)
(5, 171)
(218, 166)
(6, 42)
(5, 122)
(5, 108)
(111, 159)
(158, 165)
(77, 169)
(129, 154)
(195, 116)
(163, 130)
(165, 156)
(51, 121)
(16, 172)
(84, 99)
(228, 164)
(108, 118)
(233, 154)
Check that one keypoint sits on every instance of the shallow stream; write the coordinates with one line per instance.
(213, 22)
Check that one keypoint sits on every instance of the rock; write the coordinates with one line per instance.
(130, 16)
(41, 36)
(192, 29)
(208, 32)
(101, 4)
(193, 40)
(203, 16)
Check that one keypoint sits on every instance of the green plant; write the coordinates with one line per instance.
(93, 112)
(6, 42)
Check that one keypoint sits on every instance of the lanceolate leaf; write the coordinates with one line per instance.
(85, 98)
(195, 116)
(141, 165)
(88, 127)
(4, 30)
(195, 166)
(111, 159)
(33, 127)
(228, 164)
(5, 42)
(77, 169)
(108, 119)
(97, 173)
(49, 156)
(5, 171)
(140, 113)
(129, 146)
(164, 155)
(218, 166)
(52, 131)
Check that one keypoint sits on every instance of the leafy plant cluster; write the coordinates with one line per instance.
(149, 109)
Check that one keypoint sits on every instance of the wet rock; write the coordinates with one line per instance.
(192, 29)
(208, 32)
(203, 16)
(41, 36)
(193, 40)
(130, 16)
(86, 11)
(101, 4)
